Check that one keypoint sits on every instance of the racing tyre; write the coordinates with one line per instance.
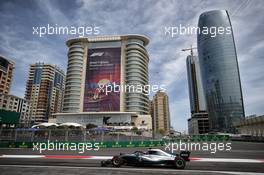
(117, 161)
(103, 163)
(179, 163)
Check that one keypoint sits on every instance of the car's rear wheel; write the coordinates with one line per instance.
(179, 163)
(117, 161)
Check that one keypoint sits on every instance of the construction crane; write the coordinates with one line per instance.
(191, 49)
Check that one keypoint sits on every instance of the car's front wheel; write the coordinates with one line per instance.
(179, 163)
(117, 161)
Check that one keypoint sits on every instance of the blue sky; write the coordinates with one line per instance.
(147, 17)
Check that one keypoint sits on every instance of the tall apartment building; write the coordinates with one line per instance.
(16, 104)
(122, 60)
(220, 72)
(6, 74)
(160, 112)
(45, 89)
(100, 64)
(198, 123)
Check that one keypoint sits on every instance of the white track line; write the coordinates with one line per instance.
(100, 157)
(22, 156)
(228, 160)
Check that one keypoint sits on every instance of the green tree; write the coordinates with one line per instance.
(162, 131)
(134, 129)
(90, 126)
(139, 132)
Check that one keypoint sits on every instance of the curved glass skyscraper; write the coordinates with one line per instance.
(220, 73)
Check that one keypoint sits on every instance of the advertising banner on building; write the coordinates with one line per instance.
(102, 73)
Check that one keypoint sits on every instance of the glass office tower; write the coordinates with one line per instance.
(220, 73)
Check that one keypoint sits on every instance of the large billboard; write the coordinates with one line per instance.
(103, 71)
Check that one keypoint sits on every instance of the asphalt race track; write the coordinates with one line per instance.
(244, 158)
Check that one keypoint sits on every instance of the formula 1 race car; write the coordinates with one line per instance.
(153, 157)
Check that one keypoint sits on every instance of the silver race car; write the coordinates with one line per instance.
(153, 157)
